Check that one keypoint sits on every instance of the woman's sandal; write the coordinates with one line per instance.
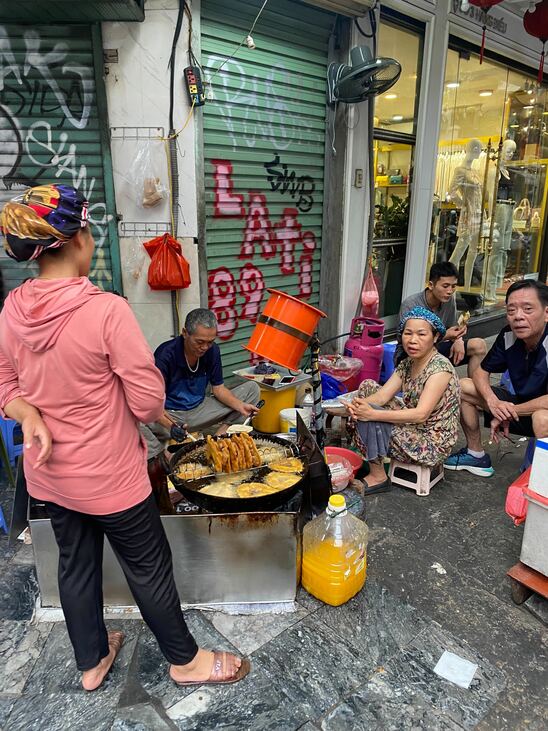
(222, 662)
(115, 642)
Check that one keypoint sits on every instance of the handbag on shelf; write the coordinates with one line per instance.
(523, 210)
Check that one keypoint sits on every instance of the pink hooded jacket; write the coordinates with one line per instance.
(77, 354)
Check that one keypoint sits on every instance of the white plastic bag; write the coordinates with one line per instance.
(146, 174)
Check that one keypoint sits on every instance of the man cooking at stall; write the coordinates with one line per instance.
(189, 363)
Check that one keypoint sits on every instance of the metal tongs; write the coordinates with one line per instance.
(259, 406)
(180, 423)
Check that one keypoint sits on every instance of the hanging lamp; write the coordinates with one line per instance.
(485, 6)
(535, 23)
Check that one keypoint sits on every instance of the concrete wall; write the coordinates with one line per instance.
(138, 97)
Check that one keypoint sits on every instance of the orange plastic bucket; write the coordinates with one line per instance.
(284, 329)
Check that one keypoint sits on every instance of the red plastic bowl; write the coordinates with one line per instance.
(355, 460)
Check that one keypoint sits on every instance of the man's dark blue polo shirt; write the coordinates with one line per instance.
(185, 389)
(528, 370)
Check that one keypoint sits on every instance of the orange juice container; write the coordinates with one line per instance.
(334, 554)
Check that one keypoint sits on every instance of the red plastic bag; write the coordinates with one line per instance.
(516, 502)
(168, 267)
(370, 295)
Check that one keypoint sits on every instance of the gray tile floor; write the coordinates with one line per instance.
(436, 581)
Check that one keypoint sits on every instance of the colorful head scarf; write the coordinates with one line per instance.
(44, 217)
(421, 313)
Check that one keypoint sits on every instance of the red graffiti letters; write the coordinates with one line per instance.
(227, 203)
(284, 239)
(222, 298)
(258, 229)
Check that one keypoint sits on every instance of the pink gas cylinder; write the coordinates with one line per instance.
(365, 343)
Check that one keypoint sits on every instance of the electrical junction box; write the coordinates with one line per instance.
(194, 85)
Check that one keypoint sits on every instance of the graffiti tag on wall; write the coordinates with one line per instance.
(240, 98)
(283, 241)
(45, 102)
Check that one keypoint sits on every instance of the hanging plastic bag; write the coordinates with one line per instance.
(168, 267)
(147, 174)
(370, 295)
(135, 259)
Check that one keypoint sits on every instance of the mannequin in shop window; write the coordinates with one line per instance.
(502, 208)
(466, 192)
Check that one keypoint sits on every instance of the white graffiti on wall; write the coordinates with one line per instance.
(45, 64)
(255, 108)
(43, 84)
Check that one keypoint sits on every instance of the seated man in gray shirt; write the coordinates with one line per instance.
(439, 297)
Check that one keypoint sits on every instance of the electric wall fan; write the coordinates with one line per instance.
(365, 77)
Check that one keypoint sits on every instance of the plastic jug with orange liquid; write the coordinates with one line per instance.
(334, 554)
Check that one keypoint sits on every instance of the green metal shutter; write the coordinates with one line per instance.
(264, 140)
(54, 130)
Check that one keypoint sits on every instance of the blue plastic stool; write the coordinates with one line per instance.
(387, 367)
(506, 383)
(13, 438)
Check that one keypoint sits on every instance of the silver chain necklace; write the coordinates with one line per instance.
(190, 368)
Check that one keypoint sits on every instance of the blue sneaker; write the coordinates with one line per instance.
(462, 460)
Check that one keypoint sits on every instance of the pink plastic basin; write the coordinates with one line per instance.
(355, 460)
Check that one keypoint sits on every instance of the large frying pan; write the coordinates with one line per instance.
(214, 504)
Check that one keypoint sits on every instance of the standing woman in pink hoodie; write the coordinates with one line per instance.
(77, 373)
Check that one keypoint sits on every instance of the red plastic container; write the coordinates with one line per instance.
(355, 460)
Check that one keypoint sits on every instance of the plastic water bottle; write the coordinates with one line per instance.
(334, 554)
(307, 404)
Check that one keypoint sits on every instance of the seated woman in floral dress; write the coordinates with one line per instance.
(421, 426)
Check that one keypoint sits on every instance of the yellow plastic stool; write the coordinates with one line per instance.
(268, 418)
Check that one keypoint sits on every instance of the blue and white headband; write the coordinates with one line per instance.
(421, 313)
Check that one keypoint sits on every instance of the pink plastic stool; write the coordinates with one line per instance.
(418, 477)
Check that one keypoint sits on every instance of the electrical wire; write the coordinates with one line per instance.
(171, 63)
(229, 58)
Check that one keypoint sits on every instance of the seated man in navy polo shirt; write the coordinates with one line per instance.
(189, 364)
(521, 348)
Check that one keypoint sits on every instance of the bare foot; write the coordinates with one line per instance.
(205, 666)
(93, 679)
(221, 430)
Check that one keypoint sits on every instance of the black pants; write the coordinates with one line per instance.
(137, 538)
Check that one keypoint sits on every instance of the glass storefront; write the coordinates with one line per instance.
(491, 185)
(394, 145)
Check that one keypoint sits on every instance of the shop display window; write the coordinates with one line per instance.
(490, 193)
(394, 144)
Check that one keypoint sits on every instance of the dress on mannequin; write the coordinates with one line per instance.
(466, 185)
(504, 205)
(504, 217)
(466, 191)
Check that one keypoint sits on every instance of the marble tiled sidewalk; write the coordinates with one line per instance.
(436, 582)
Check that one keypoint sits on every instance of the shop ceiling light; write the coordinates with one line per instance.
(486, 92)
(528, 106)
(391, 96)
(397, 118)
(453, 85)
